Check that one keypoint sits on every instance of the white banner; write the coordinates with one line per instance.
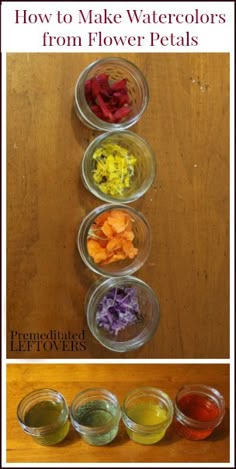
(117, 26)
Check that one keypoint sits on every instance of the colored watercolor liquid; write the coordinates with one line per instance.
(97, 414)
(47, 413)
(147, 414)
(201, 409)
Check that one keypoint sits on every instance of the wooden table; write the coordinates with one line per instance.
(187, 124)
(70, 379)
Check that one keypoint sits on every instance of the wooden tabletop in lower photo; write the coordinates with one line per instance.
(70, 379)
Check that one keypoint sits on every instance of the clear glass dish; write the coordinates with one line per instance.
(118, 167)
(146, 317)
(138, 248)
(117, 69)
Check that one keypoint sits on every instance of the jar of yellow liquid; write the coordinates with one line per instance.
(44, 415)
(147, 412)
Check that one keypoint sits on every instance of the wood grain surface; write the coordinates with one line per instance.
(70, 379)
(187, 124)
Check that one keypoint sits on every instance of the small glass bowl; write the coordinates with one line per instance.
(134, 335)
(117, 69)
(48, 407)
(95, 414)
(144, 168)
(147, 412)
(141, 241)
(199, 409)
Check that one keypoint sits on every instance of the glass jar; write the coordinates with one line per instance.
(121, 263)
(95, 414)
(137, 306)
(123, 172)
(44, 415)
(147, 412)
(117, 69)
(198, 410)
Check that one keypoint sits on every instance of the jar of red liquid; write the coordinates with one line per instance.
(198, 410)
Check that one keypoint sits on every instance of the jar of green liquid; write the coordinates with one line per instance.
(95, 414)
(147, 413)
(44, 415)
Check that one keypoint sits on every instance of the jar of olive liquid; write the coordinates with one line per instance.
(44, 415)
